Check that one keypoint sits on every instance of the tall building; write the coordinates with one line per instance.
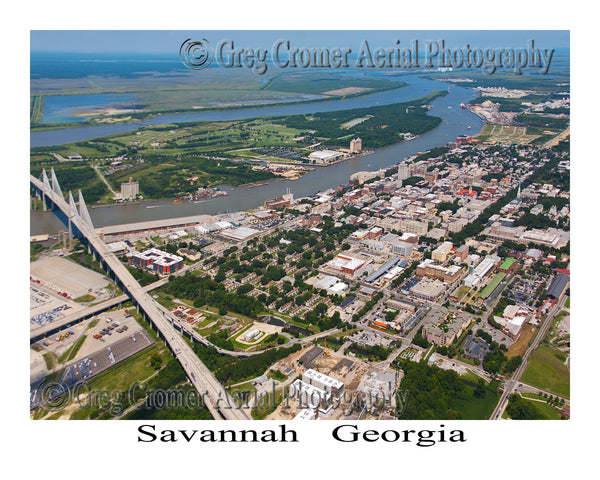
(403, 171)
(355, 145)
(130, 189)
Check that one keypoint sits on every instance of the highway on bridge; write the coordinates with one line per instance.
(215, 396)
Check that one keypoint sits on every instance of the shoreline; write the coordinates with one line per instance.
(41, 127)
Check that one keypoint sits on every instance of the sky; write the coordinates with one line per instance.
(166, 41)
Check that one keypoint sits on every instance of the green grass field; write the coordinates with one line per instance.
(122, 375)
(548, 411)
(547, 372)
(72, 352)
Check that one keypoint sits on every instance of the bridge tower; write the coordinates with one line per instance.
(72, 213)
(83, 211)
(46, 183)
(55, 185)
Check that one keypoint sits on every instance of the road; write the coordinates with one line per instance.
(561, 136)
(216, 398)
(513, 382)
(97, 169)
(52, 328)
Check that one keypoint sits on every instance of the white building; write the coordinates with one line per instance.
(251, 334)
(323, 382)
(324, 156)
(310, 396)
(402, 248)
(332, 285)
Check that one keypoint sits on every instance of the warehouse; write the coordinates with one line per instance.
(333, 285)
(558, 286)
(385, 268)
(239, 234)
(153, 225)
(324, 156)
(345, 264)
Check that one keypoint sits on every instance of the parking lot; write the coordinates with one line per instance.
(92, 365)
(111, 327)
(523, 290)
(46, 306)
(476, 347)
(107, 334)
(497, 335)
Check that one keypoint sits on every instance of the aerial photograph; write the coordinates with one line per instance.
(299, 225)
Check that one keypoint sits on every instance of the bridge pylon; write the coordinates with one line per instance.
(55, 185)
(83, 211)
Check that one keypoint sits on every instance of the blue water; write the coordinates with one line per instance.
(455, 122)
(63, 108)
(417, 87)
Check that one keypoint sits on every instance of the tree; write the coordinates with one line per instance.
(513, 364)
(520, 409)
(155, 361)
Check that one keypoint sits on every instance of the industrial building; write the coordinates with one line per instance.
(345, 264)
(118, 248)
(130, 189)
(309, 357)
(154, 259)
(385, 268)
(324, 156)
(558, 285)
(153, 225)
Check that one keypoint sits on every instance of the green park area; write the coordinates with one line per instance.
(547, 370)
(443, 394)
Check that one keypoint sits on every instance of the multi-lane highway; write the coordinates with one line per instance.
(216, 398)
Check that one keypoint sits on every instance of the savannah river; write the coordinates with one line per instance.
(455, 122)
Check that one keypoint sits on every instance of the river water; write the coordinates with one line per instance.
(455, 122)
